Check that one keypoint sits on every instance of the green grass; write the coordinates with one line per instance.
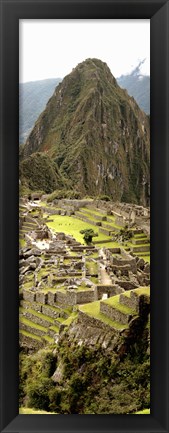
(54, 328)
(86, 215)
(114, 302)
(30, 411)
(92, 211)
(73, 226)
(32, 324)
(41, 315)
(143, 412)
(48, 339)
(92, 267)
(110, 244)
(70, 319)
(94, 255)
(93, 310)
(94, 280)
(145, 258)
(28, 334)
(28, 284)
(140, 291)
(143, 291)
(22, 243)
(140, 236)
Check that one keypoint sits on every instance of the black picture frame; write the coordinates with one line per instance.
(158, 13)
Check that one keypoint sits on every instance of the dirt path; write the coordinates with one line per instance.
(104, 277)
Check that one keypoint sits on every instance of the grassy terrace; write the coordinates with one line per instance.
(48, 339)
(40, 315)
(72, 226)
(32, 324)
(93, 211)
(70, 319)
(93, 310)
(28, 334)
(114, 302)
(54, 328)
(50, 307)
(140, 291)
(85, 214)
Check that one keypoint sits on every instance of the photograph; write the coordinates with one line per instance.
(84, 217)
(84, 202)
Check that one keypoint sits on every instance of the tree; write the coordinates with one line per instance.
(88, 235)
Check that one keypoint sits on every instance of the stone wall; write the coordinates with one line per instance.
(90, 321)
(121, 262)
(127, 285)
(30, 342)
(143, 249)
(114, 314)
(42, 297)
(32, 330)
(34, 305)
(51, 211)
(51, 298)
(113, 251)
(61, 298)
(105, 232)
(29, 296)
(74, 297)
(84, 296)
(37, 319)
(104, 289)
(131, 302)
(122, 270)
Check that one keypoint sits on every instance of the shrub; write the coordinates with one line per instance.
(88, 235)
(103, 197)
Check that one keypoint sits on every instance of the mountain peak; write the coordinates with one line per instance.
(96, 134)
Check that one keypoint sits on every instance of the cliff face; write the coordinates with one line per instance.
(96, 134)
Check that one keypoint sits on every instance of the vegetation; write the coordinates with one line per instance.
(63, 193)
(89, 234)
(73, 226)
(29, 411)
(39, 172)
(92, 380)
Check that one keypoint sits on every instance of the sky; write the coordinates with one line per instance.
(52, 48)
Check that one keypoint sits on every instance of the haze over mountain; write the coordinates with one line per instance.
(138, 86)
(33, 97)
(96, 134)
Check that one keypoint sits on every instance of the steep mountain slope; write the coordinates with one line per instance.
(138, 86)
(33, 97)
(96, 134)
(39, 172)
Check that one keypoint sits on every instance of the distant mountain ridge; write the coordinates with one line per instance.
(138, 86)
(96, 134)
(33, 97)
